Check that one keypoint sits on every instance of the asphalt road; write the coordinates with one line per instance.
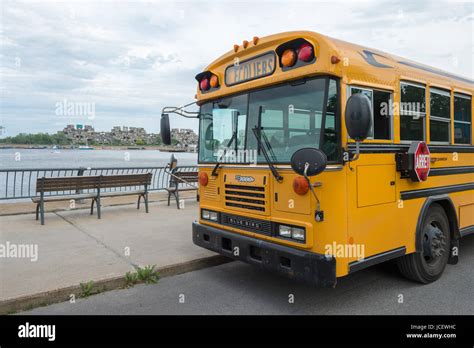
(238, 288)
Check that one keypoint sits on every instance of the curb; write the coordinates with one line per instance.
(46, 298)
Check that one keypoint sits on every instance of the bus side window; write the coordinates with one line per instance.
(412, 112)
(440, 116)
(330, 146)
(382, 113)
(462, 119)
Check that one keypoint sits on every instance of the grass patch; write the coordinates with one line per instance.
(148, 274)
(86, 289)
(131, 278)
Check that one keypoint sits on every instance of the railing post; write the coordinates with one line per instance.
(80, 172)
(42, 201)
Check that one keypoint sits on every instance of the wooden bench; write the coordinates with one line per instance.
(98, 183)
(180, 177)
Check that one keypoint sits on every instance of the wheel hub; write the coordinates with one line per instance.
(434, 243)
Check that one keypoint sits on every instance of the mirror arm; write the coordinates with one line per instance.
(179, 110)
(357, 153)
(319, 214)
(306, 166)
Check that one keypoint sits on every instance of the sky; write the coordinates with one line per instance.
(118, 63)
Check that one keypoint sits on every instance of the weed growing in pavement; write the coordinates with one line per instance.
(86, 288)
(131, 278)
(148, 274)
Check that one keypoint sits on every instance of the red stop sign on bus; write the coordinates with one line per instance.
(421, 161)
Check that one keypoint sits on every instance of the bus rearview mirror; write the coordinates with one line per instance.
(308, 161)
(165, 129)
(358, 116)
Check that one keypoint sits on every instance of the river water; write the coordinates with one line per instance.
(49, 158)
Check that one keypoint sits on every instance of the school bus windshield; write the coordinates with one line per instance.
(289, 116)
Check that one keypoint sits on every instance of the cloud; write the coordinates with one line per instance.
(131, 58)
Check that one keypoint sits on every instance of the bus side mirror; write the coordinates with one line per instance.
(165, 129)
(358, 116)
(308, 161)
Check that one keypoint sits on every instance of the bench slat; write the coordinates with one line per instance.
(62, 198)
(91, 182)
(179, 180)
(121, 193)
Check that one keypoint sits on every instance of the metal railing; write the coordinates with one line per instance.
(21, 183)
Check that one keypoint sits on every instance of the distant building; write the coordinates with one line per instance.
(185, 137)
(79, 133)
(117, 135)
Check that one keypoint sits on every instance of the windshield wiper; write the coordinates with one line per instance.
(257, 132)
(267, 142)
(214, 171)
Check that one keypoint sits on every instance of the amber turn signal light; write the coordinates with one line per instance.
(300, 185)
(203, 178)
(214, 81)
(288, 58)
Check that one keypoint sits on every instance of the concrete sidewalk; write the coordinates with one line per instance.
(75, 247)
(25, 206)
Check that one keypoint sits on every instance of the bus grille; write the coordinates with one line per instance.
(245, 197)
(210, 190)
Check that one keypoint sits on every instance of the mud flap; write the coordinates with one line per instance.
(454, 253)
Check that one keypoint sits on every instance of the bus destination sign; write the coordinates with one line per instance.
(250, 69)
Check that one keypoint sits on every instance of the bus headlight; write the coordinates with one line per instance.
(284, 231)
(209, 215)
(298, 233)
(292, 232)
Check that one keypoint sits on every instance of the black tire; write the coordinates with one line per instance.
(428, 265)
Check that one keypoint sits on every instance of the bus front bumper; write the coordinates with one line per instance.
(316, 269)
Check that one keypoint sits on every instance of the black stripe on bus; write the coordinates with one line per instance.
(380, 148)
(451, 148)
(375, 259)
(394, 148)
(451, 170)
(413, 194)
(465, 231)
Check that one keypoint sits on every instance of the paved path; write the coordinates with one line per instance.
(237, 288)
(75, 247)
(25, 206)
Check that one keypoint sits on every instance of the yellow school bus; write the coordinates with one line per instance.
(319, 158)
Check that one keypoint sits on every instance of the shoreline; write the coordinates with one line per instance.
(99, 147)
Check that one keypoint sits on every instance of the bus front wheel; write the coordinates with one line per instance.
(428, 265)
